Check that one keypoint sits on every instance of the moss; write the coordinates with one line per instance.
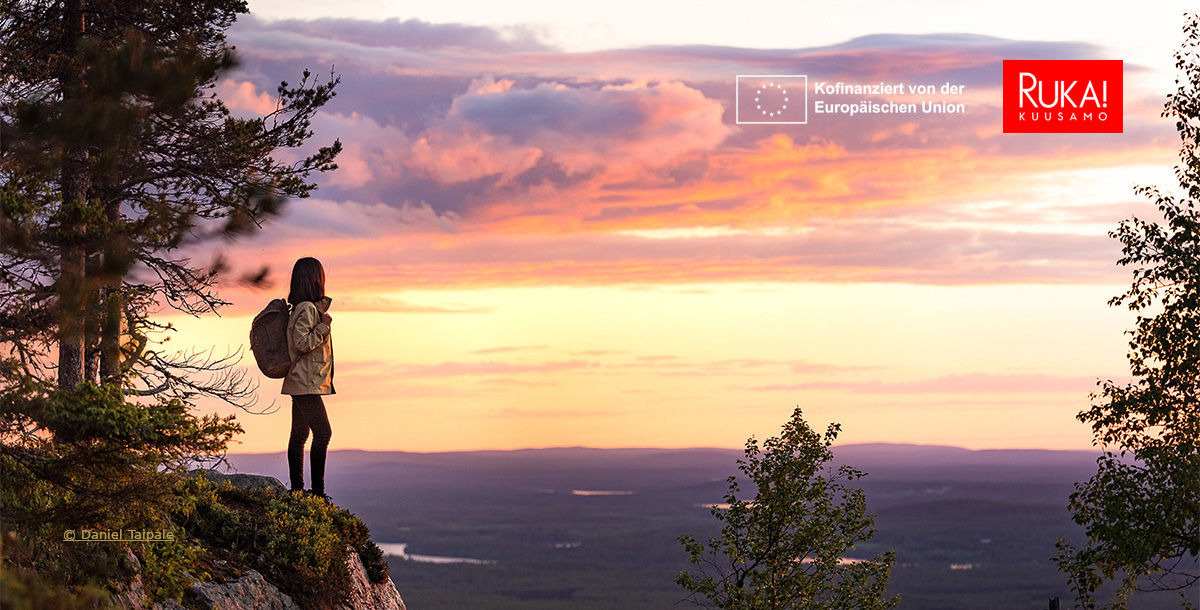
(298, 542)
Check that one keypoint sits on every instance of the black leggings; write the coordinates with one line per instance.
(308, 413)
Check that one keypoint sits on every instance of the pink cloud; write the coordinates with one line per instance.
(486, 368)
(497, 128)
(514, 413)
(243, 96)
(467, 155)
(971, 383)
(509, 349)
(354, 169)
(360, 302)
(371, 152)
(374, 247)
(451, 378)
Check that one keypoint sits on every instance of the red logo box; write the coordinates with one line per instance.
(1063, 96)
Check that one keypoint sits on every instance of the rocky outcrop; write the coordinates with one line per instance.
(241, 481)
(250, 592)
(363, 594)
(253, 592)
(134, 596)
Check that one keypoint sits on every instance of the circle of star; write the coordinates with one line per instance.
(758, 95)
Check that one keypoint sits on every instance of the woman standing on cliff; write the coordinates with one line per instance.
(310, 345)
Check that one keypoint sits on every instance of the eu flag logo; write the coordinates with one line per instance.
(772, 99)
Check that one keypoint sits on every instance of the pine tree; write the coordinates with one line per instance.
(114, 153)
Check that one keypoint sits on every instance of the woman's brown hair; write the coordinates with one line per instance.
(308, 281)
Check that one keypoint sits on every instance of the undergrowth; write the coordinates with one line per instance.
(297, 542)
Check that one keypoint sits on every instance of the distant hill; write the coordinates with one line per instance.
(898, 475)
(861, 455)
(882, 460)
(644, 466)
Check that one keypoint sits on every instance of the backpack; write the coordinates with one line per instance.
(268, 339)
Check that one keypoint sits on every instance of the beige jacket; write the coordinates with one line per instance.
(311, 339)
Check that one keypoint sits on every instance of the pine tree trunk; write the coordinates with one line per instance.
(74, 183)
(70, 325)
(110, 332)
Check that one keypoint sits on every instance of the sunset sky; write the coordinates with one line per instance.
(547, 228)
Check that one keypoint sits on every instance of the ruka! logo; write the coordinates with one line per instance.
(1063, 96)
